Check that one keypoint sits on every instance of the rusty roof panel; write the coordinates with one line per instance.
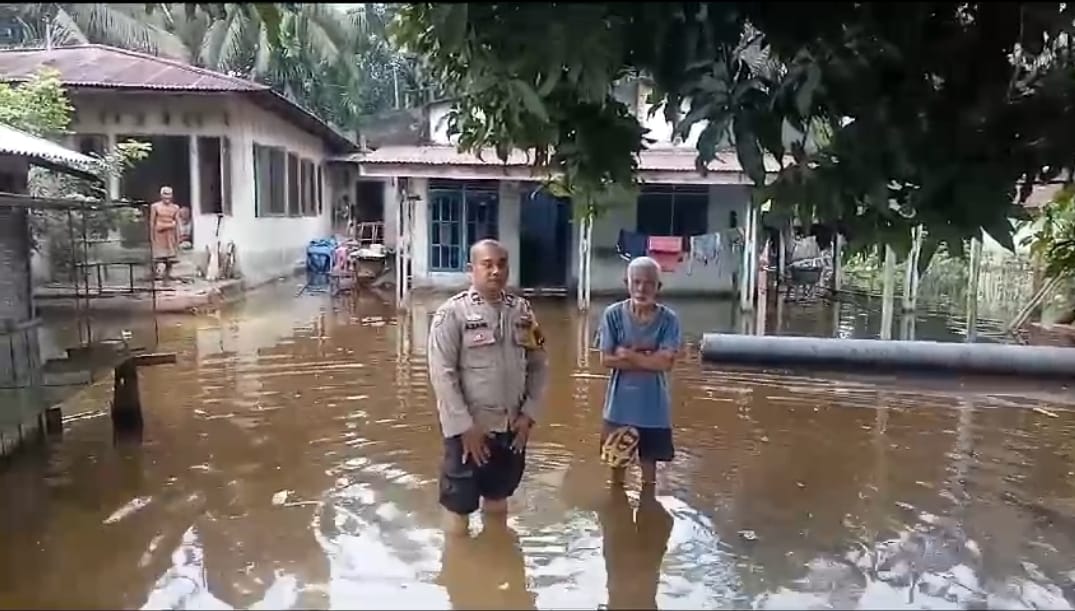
(120, 69)
(102, 66)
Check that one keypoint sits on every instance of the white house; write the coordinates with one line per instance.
(243, 159)
(451, 199)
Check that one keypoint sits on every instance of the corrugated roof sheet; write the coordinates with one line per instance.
(105, 67)
(653, 160)
(102, 66)
(22, 144)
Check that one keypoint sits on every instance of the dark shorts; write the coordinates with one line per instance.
(463, 485)
(654, 444)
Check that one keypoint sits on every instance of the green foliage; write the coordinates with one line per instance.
(930, 113)
(39, 106)
(1053, 241)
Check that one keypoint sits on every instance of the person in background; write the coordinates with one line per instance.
(164, 237)
(639, 340)
(488, 369)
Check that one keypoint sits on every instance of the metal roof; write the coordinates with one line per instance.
(654, 160)
(44, 152)
(104, 67)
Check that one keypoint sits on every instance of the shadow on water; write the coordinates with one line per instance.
(290, 459)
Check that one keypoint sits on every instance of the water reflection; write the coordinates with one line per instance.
(634, 547)
(486, 571)
(290, 461)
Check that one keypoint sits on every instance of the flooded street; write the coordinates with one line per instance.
(290, 460)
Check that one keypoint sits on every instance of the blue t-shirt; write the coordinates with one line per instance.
(638, 398)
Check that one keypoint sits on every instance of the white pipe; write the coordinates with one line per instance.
(399, 242)
(589, 260)
(763, 289)
(838, 264)
(975, 264)
(746, 288)
(910, 277)
(888, 293)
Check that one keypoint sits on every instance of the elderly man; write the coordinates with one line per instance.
(488, 369)
(164, 220)
(639, 341)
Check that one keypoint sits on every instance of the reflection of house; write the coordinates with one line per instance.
(21, 411)
(460, 198)
(227, 146)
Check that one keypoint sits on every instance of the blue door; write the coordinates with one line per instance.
(544, 239)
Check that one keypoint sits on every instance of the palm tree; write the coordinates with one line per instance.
(128, 26)
(337, 62)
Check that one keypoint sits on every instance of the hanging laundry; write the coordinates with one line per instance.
(631, 244)
(705, 249)
(666, 250)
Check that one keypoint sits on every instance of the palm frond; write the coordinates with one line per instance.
(65, 31)
(125, 26)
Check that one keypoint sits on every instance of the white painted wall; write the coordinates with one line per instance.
(607, 270)
(271, 247)
(267, 248)
(508, 228)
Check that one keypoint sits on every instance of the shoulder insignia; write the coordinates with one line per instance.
(510, 300)
(438, 317)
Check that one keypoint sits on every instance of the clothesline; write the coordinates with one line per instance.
(669, 251)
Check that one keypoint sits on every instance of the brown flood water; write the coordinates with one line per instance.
(290, 461)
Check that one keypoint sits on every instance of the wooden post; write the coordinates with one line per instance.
(888, 292)
(974, 272)
(54, 421)
(126, 400)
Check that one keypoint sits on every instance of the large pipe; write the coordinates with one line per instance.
(869, 354)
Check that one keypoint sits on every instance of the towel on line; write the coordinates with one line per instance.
(666, 250)
(705, 249)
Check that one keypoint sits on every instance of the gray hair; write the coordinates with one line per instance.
(647, 264)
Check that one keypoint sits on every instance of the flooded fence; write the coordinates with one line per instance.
(1005, 284)
(66, 255)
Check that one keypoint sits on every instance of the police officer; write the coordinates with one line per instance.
(488, 369)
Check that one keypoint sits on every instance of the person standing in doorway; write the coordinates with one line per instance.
(639, 340)
(488, 369)
(164, 228)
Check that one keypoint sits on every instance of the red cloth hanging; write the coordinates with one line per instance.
(667, 251)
